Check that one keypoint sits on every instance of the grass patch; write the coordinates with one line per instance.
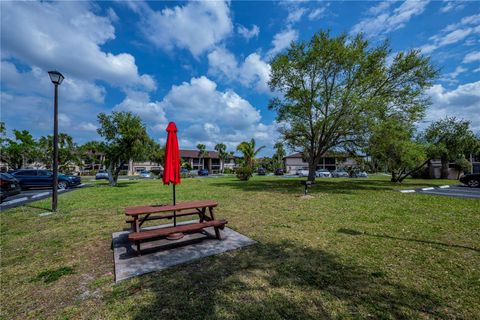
(355, 249)
(49, 276)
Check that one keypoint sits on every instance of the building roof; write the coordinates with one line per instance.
(327, 154)
(194, 154)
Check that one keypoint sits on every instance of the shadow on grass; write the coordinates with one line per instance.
(274, 281)
(295, 186)
(358, 233)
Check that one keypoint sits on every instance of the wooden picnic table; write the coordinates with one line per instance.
(139, 214)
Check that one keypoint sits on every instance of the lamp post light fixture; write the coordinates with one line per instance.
(57, 79)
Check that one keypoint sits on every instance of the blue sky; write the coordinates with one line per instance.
(205, 65)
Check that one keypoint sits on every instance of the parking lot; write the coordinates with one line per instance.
(31, 195)
(457, 191)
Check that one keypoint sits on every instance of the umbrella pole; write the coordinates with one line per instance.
(174, 212)
(177, 235)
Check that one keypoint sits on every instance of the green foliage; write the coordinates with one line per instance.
(221, 148)
(228, 171)
(463, 165)
(249, 152)
(68, 152)
(125, 139)
(156, 154)
(244, 173)
(450, 139)
(186, 164)
(20, 151)
(392, 144)
(334, 88)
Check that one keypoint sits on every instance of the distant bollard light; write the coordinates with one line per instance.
(306, 184)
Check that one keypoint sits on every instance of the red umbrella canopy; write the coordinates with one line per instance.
(171, 170)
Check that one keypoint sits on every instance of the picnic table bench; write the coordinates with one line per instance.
(138, 215)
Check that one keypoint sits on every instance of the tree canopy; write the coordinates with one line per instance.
(125, 139)
(334, 88)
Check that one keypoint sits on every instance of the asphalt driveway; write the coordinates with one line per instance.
(457, 191)
(31, 195)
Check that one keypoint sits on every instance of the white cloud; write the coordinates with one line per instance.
(452, 5)
(282, 41)
(196, 26)
(316, 13)
(248, 33)
(252, 73)
(37, 81)
(453, 33)
(88, 126)
(208, 115)
(67, 36)
(295, 15)
(382, 20)
(64, 120)
(139, 103)
(471, 57)
(461, 102)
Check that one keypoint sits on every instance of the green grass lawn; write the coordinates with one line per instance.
(354, 250)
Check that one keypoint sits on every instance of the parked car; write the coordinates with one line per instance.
(358, 174)
(184, 170)
(32, 178)
(261, 171)
(279, 172)
(302, 172)
(101, 174)
(471, 180)
(145, 174)
(323, 173)
(339, 173)
(203, 172)
(9, 186)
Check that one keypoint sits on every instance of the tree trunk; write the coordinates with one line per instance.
(312, 167)
(117, 172)
(444, 173)
(394, 177)
(111, 180)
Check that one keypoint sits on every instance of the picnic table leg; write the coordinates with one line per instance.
(212, 216)
(210, 209)
(137, 229)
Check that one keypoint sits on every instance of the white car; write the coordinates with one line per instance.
(340, 173)
(302, 172)
(145, 174)
(101, 174)
(323, 173)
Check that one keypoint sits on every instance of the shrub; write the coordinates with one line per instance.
(244, 173)
(228, 171)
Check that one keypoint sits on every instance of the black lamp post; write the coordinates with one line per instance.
(57, 79)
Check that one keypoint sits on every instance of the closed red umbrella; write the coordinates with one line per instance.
(171, 169)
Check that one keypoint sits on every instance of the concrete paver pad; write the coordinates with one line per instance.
(161, 254)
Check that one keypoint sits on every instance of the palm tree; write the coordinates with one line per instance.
(201, 152)
(249, 151)
(221, 148)
(279, 154)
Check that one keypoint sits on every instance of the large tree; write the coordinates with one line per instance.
(19, 151)
(450, 139)
(392, 143)
(126, 139)
(279, 155)
(249, 151)
(334, 87)
(68, 152)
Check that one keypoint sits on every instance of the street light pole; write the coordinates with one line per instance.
(57, 79)
(55, 152)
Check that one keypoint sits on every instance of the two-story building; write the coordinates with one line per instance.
(329, 161)
(210, 161)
